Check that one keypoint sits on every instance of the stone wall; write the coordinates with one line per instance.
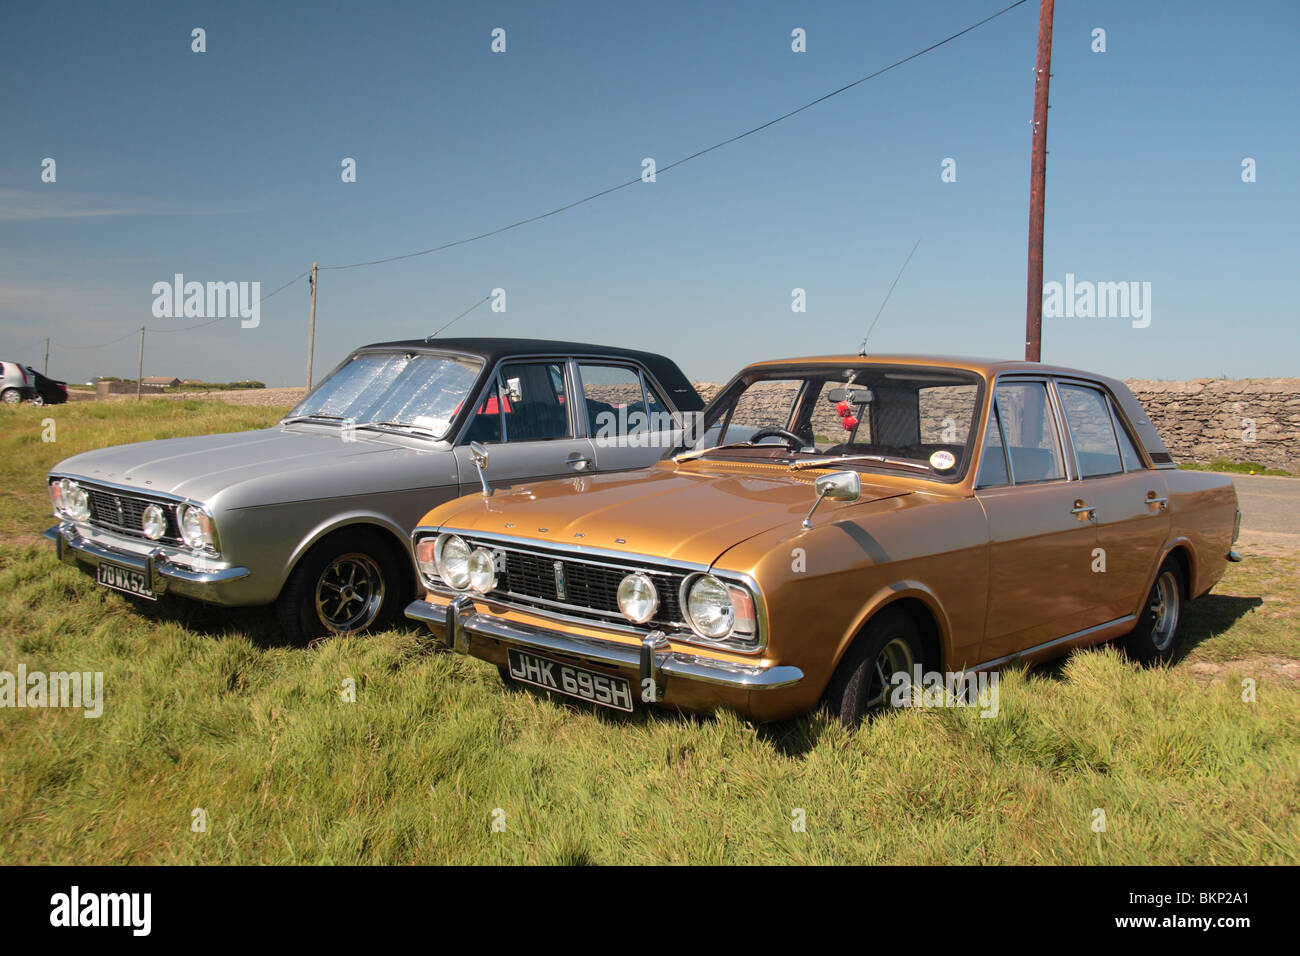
(1249, 419)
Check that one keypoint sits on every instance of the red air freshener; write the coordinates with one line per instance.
(850, 423)
(844, 409)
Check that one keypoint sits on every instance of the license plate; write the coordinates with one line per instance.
(126, 580)
(612, 692)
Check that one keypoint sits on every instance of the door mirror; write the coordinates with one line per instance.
(480, 456)
(837, 486)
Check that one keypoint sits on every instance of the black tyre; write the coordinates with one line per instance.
(349, 583)
(11, 396)
(1156, 634)
(862, 683)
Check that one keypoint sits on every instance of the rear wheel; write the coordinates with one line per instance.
(1156, 634)
(864, 680)
(11, 396)
(349, 583)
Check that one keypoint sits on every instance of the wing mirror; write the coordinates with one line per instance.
(837, 486)
(480, 456)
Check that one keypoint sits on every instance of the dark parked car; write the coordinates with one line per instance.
(315, 515)
(48, 391)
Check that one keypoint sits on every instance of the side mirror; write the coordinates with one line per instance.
(480, 456)
(837, 486)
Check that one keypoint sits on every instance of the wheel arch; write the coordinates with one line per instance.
(393, 535)
(921, 604)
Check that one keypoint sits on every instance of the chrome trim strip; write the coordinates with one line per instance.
(1131, 618)
(462, 627)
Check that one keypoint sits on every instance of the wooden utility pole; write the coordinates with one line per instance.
(139, 369)
(311, 325)
(47, 356)
(1038, 187)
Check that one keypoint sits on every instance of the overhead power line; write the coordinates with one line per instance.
(596, 195)
(686, 159)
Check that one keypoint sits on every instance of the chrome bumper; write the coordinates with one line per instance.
(651, 660)
(162, 574)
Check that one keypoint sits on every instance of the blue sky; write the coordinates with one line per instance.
(225, 166)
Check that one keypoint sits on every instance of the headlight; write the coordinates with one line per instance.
(637, 598)
(154, 522)
(708, 607)
(76, 503)
(453, 561)
(196, 527)
(482, 567)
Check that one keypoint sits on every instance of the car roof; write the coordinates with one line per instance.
(984, 366)
(490, 348)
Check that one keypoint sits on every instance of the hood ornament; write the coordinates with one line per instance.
(837, 486)
(480, 456)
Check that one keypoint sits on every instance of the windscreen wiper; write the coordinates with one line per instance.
(822, 463)
(312, 418)
(404, 425)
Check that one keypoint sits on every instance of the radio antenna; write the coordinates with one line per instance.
(459, 317)
(863, 350)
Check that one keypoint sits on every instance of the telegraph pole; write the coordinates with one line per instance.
(139, 371)
(47, 356)
(311, 325)
(1038, 187)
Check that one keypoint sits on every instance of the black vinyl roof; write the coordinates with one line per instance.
(680, 391)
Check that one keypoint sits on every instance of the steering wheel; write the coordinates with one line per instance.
(791, 439)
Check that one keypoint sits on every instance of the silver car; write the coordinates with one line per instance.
(315, 515)
(16, 383)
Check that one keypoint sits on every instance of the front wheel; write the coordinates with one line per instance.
(863, 681)
(349, 583)
(1153, 640)
(38, 399)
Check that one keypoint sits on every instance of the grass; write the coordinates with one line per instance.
(1234, 467)
(209, 709)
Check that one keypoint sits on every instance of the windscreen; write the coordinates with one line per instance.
(403, 388)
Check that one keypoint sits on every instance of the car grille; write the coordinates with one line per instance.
(590, 587)
(123, 514)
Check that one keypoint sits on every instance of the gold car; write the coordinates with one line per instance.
(838, 521)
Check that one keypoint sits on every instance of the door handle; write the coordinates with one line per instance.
(579, 462)
(1083, 510)
(1154, 499)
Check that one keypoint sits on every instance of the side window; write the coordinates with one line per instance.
(1088, 418)
(485, 426)
(1028, 431)
(614, 400)
(1127, 449)
(531, 403)
(993, 460)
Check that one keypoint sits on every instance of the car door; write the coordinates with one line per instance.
(629, 423)
(1128, 500)
(524, 420)
(1040, 536)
